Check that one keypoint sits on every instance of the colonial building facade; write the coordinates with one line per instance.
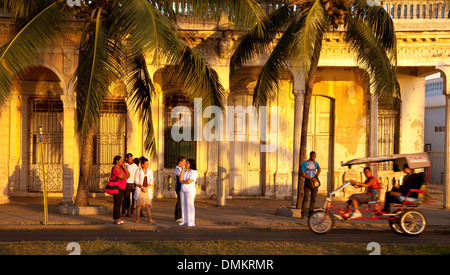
(346, 122)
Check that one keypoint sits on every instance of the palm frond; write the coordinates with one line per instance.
(146, 28)
(6, 82)
(255, 43)
(382, 26)
(372, 57)
(198, 79)
(243, 13)
(24, 9)
(267, 84)
(300, 44)
(150, 31)
(246, 13)
(141, 92)
(94, 74)
(308, 42)
(24, 50)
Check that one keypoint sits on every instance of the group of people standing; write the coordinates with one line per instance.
(134, 177)
(135, 182)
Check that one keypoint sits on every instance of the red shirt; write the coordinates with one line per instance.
(117, 173)
(374, 188)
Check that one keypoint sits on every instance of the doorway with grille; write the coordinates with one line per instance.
(48, 113)
(109, 141)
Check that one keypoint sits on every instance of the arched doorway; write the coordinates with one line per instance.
(41, 92)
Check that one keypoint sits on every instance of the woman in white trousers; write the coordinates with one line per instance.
(188, 191)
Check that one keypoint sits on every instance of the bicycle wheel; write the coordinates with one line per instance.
(395, 226)
(320, 223)
(412, 222)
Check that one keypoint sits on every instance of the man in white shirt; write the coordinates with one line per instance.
(132, 168)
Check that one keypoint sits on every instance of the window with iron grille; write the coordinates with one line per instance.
(173, 149)
(47, 113)
(109, 141)
(388, 131)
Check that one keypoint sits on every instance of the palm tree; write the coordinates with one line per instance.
(368, 31)
(116, 35)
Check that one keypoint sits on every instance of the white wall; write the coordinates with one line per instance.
(412, 121)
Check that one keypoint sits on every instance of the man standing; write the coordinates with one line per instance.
(131, 167)
(180, 166)
(310, 170)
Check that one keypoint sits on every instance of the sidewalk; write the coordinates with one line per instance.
(28, 213)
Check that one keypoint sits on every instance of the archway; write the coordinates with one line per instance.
(41, 97)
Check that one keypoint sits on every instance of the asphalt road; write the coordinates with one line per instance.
(197, 234)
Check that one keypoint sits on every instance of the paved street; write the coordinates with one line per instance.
(240, 220)
(380, 235)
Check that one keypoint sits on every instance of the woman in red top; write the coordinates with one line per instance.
(121, 173)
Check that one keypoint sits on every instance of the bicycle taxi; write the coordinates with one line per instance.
(406, 219)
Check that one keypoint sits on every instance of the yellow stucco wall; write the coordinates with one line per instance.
(346, 87)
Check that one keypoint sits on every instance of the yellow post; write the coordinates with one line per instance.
(44, 184)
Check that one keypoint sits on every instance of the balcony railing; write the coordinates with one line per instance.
(438, 9)
(400, 11)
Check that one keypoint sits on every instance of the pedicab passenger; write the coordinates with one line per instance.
(410, 181)
(371, 184)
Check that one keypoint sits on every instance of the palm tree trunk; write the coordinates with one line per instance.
(86, 160)
(304, 137)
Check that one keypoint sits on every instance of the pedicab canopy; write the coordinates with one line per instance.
(414, 160)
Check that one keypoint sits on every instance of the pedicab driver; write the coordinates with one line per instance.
(371, 184)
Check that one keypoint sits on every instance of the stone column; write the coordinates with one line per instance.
(446, 91)
(223, 167)
(4, 153)
(373, 136)
(373, 151)
(69, 149)
(24, 149)
(447, 150)
(299, 97)
(223, 145)
(134, 132)
(15, 142)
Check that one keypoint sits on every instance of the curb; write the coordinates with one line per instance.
(82, 210)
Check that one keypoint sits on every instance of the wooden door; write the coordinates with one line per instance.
(321, 137)
(245, 154)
